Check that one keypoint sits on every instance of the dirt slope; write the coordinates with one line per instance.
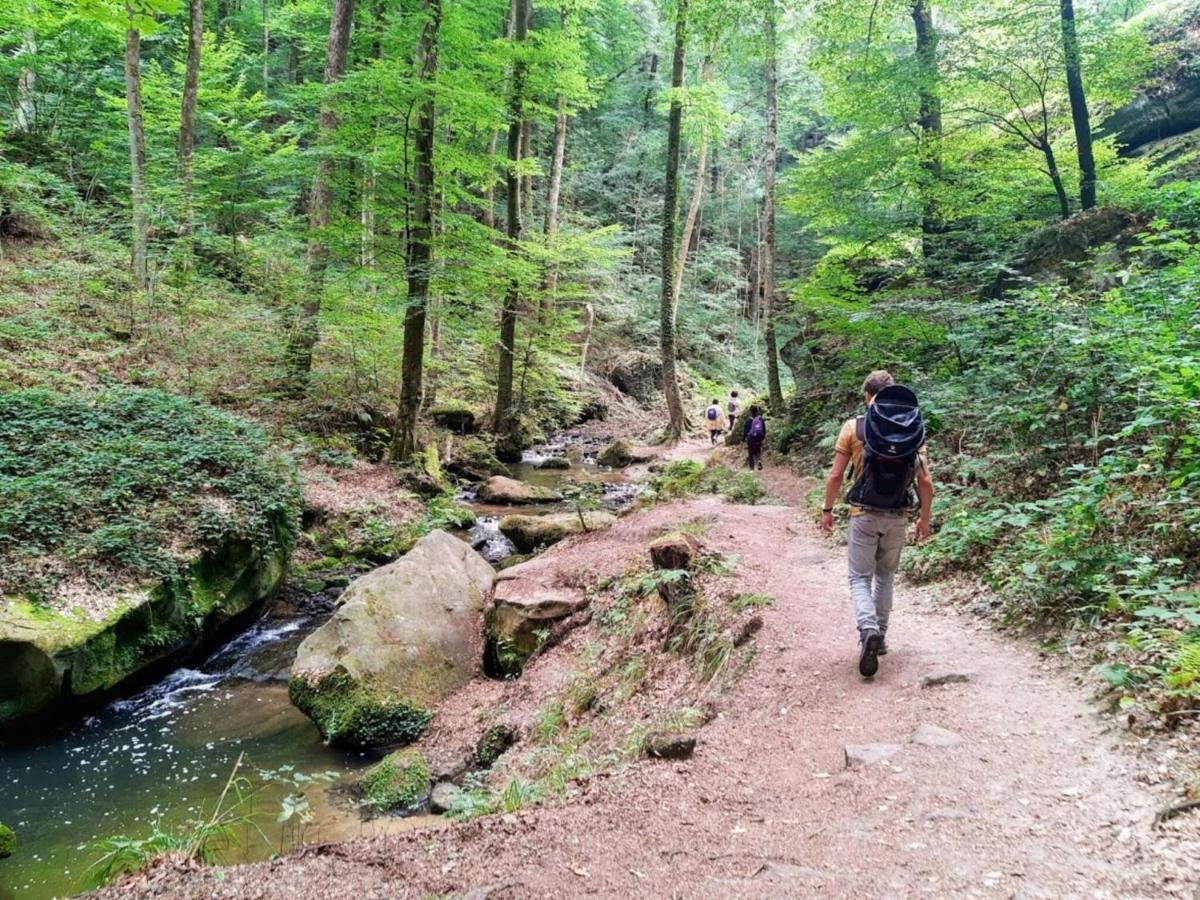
(1040, 798)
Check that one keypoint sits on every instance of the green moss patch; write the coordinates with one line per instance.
(350, 714)
(399, 783)
(8, 841)
(116, 488)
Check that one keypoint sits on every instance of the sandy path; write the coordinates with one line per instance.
(1039, 799)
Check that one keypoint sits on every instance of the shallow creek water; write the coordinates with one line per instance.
(163, 755)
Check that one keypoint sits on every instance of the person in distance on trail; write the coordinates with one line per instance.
(755, 432)
(712, 418)
(885, 450)
(734, 408)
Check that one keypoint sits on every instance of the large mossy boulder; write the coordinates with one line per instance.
(8, 841)
(399, 783)
(509, 491)
(139, 529)
(455, 415)
(404, 637)
(616, 455)
(530, 532)
(473, 458)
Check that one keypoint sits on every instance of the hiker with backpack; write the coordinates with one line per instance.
(712, 417)
(734, 408)
(885, 450)
(755, 433)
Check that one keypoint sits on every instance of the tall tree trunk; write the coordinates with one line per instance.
(771, 153)
(421, 244)
(930, 122)
(1064, 204)
(320, 206)
(26, 106)
(503, 423)
(527, 153)
(553, 192)
(675, 423)
(187, 118)
(266, 51)
(137, 154)
(489, 194)
(223, 8)
(1079, 109)
(693, 213)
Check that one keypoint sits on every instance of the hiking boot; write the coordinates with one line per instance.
(868, 656)
(882, 651)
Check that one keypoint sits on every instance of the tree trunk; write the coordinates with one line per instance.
(489, 193)
(137, 155)
(527, 153)
(512, 298)
(770, 162)
(693, 213)
(1064, 204)
(553, 191)
(320, 206)
(421, 244)
(26, 107)
(187, 118)
(266, 51)
(1079, 110)
(930, 122)
(675, 422)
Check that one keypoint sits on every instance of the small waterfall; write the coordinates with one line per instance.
(489, 541)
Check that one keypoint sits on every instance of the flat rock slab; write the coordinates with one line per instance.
(858, 755)
(935, 736)
(499, 489)
(443, 796)
(946, 676)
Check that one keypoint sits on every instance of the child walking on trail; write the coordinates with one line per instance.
(755, 434)
(886, 450)
(734, 407)
(712, 417)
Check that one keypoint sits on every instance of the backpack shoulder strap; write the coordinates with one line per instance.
(860, 429)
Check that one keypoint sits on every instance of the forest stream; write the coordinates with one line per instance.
(163, 756)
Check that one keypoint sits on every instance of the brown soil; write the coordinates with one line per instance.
(1043, 797)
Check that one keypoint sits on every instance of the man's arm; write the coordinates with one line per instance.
(833, 486)
(925, 494)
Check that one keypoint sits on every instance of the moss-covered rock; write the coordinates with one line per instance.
(456, 415)
(499, 489)
(530, 532)
(404, 637)
(349, 713)
(399, 783)
(493, 744)
(554, 462)
(8, 841)
(473, 458)
(616, 455)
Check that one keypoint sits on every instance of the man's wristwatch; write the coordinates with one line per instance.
(827, 509)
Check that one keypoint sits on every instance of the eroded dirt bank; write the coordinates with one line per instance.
(1031, 794)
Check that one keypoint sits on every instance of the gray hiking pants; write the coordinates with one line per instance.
(876, 540)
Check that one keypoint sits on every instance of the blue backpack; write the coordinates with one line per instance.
(712, 413)
(757, 430)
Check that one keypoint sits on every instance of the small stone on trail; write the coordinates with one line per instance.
(949, 676)
(934, 736)
(868, 754)
(444, 794)
(669, 745)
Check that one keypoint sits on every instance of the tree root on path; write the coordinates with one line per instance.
(1169, 812)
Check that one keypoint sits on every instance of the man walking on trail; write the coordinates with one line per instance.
(712, 418)
(734, 406)
(885, 449)
(755, 432)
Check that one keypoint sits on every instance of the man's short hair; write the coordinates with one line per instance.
(877, 381)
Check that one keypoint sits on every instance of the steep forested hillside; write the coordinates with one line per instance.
(288, 288)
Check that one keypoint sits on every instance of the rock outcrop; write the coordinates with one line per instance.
(474, 459)
(405, 636)
(638, 374)
(499, 489)
(530, 532)
(455, 415)
(527, 601)
(54, 664)
(616, 455)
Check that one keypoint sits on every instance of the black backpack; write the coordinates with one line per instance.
(892, 433)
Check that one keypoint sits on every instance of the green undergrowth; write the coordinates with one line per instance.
(399, 782)
(1064, 442)
(686, 478)
(124, 485)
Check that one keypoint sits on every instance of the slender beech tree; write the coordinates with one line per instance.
(187, 118)
(676, 420)
(503, 423)
(320, 206)
(1079, 109)
(693, 213)
(554, 190)
(771, 164)
(929, 120)
(420, 251)
(137, 151)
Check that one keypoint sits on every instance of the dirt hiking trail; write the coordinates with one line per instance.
(1015, 786)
